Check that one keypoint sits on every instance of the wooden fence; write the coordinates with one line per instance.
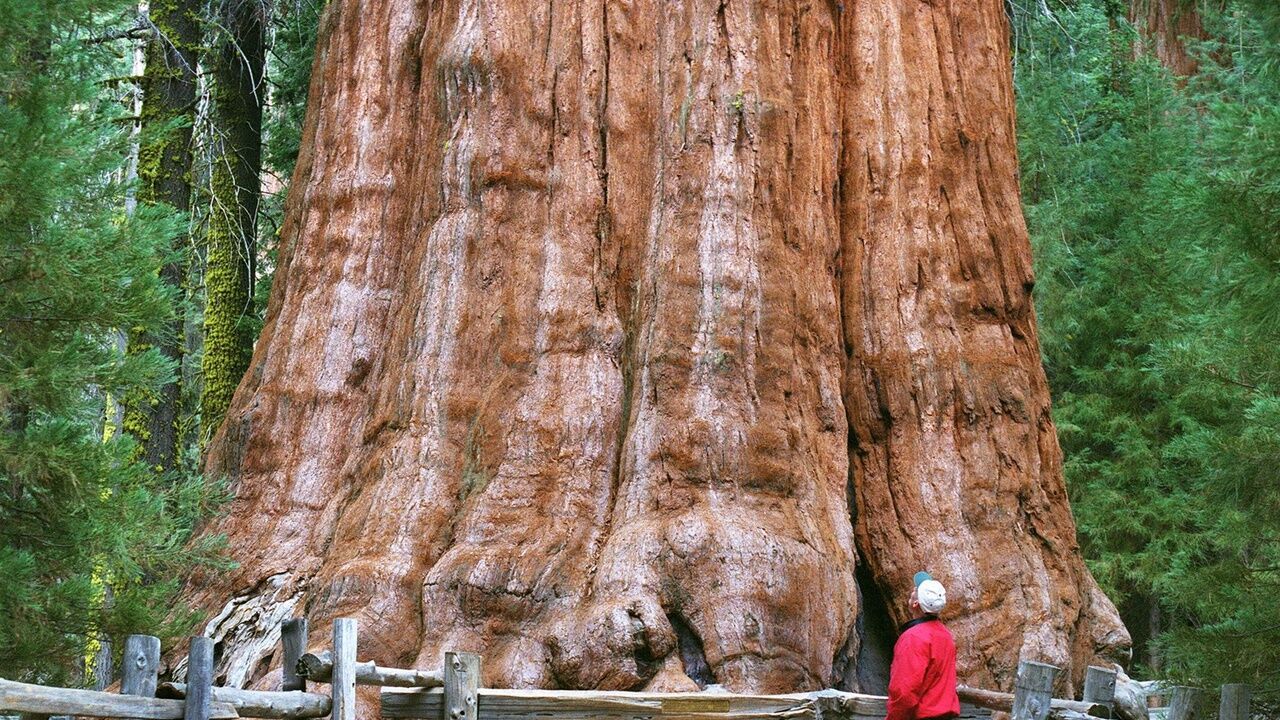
(1187, 703)
(457, 692)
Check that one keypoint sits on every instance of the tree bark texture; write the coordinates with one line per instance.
(1164, 27)
(238, 91)
(609, 338)
(164, 178)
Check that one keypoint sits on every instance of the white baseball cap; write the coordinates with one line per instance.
(930, 593)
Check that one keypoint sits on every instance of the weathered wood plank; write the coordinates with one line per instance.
(1185, 703)
(293, 640)
(140, 665)
(288, 704)
(430, 705)
(343, 683)
(1058, 713)
(1235, 703)
(461, 681)
(318, 667)
(199, 679)
(40, 700)
(995, 700)
(836, 702)
(502, 704)
(1033, 690)
(1099, 685)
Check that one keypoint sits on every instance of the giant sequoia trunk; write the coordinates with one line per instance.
(610, 338)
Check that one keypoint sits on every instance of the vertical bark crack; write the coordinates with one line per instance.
(626, 360)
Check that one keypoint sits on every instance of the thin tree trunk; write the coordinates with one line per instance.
(164, 178)
(1155, 626)
(239, 87)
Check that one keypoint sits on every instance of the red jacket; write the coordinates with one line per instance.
(922, 679)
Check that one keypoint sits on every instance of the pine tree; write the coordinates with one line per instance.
(1154, 208)
(74, 271)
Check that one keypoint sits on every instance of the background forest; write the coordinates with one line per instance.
(144, 158)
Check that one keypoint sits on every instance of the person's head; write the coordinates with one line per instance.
(928, 597)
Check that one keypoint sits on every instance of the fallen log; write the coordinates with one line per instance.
(40, 700)
(318, 667)
(288, 704)
(1058, 708)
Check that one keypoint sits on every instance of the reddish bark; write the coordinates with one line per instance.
(1164, 27)
(956, 458)
(607, 335)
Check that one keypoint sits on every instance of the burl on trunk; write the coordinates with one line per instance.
(608, 338)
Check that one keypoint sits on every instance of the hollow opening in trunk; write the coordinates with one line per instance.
(876, 632)
(692, 656)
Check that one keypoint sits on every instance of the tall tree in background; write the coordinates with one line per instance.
(1166, 28)
(239, 91)
(164, 177)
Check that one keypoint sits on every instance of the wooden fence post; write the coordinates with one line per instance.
(1100, 685)
(293, 638)
(140, 665)
(1184, 704)
(461, 680)
(1236, 700)
(1032, 690)
(199, 679)
(343, 683)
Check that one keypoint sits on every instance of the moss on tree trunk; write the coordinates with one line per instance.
(238, 88)
(164, 178)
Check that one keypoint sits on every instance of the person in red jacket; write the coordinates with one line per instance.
(922, 678)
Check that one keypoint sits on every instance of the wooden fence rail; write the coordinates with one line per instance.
(40, 700)
(457, 692)
(1058, 708)
(287, 704)
(318, 667)
(501, 704)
